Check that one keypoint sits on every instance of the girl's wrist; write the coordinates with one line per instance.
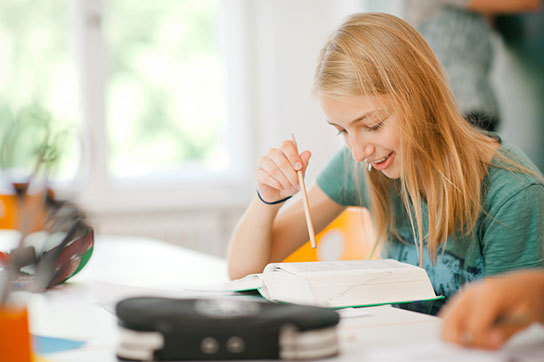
(272, 202)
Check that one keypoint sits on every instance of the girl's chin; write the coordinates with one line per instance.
(392, 174)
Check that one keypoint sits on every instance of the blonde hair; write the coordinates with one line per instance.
(443, 158)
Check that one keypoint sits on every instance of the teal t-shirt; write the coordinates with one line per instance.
(509, 235)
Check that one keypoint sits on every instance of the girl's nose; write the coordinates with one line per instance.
(361, 151)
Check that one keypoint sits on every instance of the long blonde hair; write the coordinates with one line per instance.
(443, 158)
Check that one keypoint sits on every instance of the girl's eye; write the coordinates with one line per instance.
(375, 127)
(341, 132)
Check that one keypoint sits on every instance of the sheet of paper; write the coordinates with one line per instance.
(353, 312)
(341, 265)
(525, 347)
(107, 294)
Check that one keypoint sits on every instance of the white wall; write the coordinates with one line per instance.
(285, 43)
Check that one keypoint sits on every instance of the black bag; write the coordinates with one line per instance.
(233, 327)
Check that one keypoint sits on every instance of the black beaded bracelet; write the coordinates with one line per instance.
(274, 202)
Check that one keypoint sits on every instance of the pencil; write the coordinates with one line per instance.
(309, 222)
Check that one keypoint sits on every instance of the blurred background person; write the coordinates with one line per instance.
(460, 34)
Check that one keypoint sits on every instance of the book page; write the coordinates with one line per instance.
(287, 287)
(249, 282)
(339, 266)
(348, 283)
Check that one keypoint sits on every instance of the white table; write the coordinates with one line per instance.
(379, 334)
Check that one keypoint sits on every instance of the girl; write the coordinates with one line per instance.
(444, 195)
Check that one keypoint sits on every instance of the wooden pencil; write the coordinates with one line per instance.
(309, 222)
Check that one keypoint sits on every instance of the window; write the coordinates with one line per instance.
(141, 85)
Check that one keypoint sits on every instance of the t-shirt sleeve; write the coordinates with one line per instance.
(514, 232)
(343, 180)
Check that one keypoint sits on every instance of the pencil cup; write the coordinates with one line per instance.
(14, 334)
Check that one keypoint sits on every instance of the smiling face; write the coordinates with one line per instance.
(370, 131)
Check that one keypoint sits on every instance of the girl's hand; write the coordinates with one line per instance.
(276, 172)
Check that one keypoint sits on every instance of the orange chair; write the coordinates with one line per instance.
(349, 237)
(10, 205)
(8, 211)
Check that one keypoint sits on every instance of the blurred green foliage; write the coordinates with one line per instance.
(31, 138)
(39, 95)
(25, 138)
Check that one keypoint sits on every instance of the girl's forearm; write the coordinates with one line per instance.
(250, 245)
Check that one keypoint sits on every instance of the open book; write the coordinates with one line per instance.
(339, 284)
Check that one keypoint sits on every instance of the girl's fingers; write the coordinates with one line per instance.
(271, 167)
(276, 174)
(305, 158)
(285, 167)
(264, 178)
(289, 148)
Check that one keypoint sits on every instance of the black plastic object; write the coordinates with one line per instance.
(166, 329)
